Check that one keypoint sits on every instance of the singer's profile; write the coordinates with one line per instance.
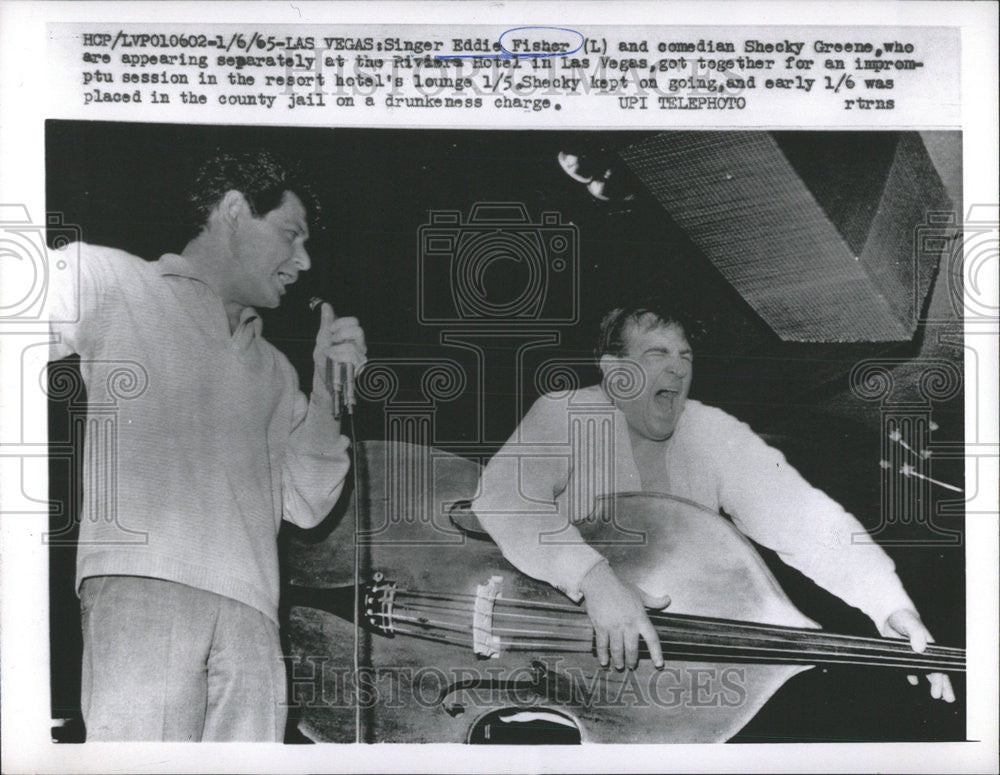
(215, 448)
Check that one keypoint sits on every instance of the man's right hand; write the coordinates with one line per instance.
(340, 340)
(618, 613)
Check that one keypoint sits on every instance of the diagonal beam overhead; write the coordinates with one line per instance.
(811, 277)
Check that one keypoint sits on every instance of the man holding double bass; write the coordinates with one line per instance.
(667, 443)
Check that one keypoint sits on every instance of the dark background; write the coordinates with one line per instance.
(122, 184)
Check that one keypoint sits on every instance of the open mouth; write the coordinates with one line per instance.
(665, 396)
(285, 279)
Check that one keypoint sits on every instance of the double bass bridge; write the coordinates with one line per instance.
(466, 620)
(484, 642)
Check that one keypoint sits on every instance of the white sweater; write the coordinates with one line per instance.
(573, 447)
(198, 441)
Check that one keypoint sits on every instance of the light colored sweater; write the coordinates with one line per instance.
(572, 447)
(198, 441)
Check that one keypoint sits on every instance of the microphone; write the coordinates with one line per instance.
(339, 376)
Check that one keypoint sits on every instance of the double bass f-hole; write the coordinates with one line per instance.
(434, 622)
(521, 690)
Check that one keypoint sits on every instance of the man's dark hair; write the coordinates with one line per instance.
(262, 178)
(653, 312)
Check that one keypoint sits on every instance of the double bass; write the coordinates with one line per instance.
(406, 624)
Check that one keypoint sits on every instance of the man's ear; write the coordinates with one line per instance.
(232, 207)
(607, 363)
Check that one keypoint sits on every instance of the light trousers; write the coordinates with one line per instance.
(163, 661)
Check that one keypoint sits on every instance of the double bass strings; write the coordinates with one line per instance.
(731, 624)
(682, 635)
(463, 608)
(417, 616)
(807, 637)
(801, 637)
(759, 655)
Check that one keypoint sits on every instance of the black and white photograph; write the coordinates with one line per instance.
(524, 392)
(723, 357)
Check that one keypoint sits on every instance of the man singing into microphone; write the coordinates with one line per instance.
(177, 566)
